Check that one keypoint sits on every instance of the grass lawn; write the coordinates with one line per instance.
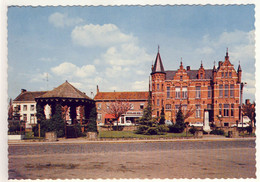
(131, 134)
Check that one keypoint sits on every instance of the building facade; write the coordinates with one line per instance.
(216, 91)
(24, 105)
(137, 100)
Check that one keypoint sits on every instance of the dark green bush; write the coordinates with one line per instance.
(192, 130)
(141, 129)
(117, 128)
(152, 131)
(162, 128)
(249, 129)
(217, 132)
(176, 128)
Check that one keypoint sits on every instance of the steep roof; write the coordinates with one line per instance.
(122, 96)
(29, 96)
(158, 66)
(193, 74)
(65, 90)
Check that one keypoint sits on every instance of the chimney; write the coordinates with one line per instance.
(97, 89)
(23, 90)
(188, 68)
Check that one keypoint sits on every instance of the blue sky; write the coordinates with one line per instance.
(114, 47)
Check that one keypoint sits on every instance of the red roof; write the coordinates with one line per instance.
(121, 96)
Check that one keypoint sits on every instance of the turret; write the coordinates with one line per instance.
(158, 66)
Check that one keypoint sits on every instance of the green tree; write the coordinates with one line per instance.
(162, 117)
(147, 112)
(57, 123)
(179, 125)
(92, 124)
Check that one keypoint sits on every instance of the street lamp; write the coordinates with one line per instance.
(242, 84)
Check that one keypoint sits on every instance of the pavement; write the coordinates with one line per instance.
(82, 140)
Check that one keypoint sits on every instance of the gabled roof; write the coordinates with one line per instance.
(122, 96)
(65, 90)
(158, 66)
(28, 96)
(193, 74)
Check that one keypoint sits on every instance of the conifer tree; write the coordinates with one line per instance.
(92, 124)
(162, 118)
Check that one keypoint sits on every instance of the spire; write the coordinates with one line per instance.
(181, 66)
(97, 89)
(214, 67)
(239, 68)
(201, 65)
(227, 57)
(158, 66)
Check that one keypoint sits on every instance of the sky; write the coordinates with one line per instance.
(114, 47)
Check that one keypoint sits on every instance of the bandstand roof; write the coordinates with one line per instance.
(65, 90)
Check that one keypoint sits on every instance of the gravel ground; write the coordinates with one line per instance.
(201, 159)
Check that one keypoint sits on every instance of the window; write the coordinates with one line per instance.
(141, 106)
(99, 117)
(107, 106)
(226, 110)
(209, 106)
(32, 118)
(220, 90)
(197, 92)
(168, 106)
(157, 113)
(99, 106)
(24, 107)
(32, 107)
(162, 103)
(226, 74)
(232, 110)
(197, 111)
(222, 74)
(232, 90)
(162, 87)
(226, 90)
(131, 106)
(168, 92)
(181, 77)
(201, 75)
(226, 124)
(220, 109)
(25, 117)
(158, 102)
(177, 92)
(158, 86)
(209, 91)
(230, 74)
(184, 92)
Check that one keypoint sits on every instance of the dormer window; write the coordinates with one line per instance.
(201, 75)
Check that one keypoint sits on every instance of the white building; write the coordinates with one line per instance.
(25, 106)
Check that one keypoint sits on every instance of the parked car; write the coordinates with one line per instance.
(197, 124)
(240, 125)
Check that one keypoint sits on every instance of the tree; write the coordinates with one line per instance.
(162, 117)
(189, 113)
(118, 108)
(92, 123)
(249, 110)
(10, 110)
(179, 124)
(147, 112)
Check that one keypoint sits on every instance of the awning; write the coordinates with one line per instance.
(109, 116)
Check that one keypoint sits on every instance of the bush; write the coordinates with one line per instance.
(249, 129)
(176, 128)
(141, 129)
(117, 128)
(217, 132)
(192, 130)
(152, 131)
(162, 128)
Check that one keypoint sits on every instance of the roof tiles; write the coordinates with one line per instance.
(122, 96)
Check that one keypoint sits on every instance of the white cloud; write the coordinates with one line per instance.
(40, 77)
(47, 59)
(140, 85)
(99, 35)
(69, 69)
(61, 20)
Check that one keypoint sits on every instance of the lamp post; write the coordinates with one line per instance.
(242, 84)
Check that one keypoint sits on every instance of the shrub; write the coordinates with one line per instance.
(152, 131)
(141, 129)
(162, 128)
(176, 128)
(192, 130)
(117, 128)
(249, 129)
(217, 132)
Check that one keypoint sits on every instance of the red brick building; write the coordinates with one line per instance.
(137, 100)
(214, 90)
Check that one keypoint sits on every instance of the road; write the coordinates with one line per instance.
(178, 159)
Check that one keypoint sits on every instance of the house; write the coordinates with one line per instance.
(137, 100)
(216, 91)
(24, 106)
